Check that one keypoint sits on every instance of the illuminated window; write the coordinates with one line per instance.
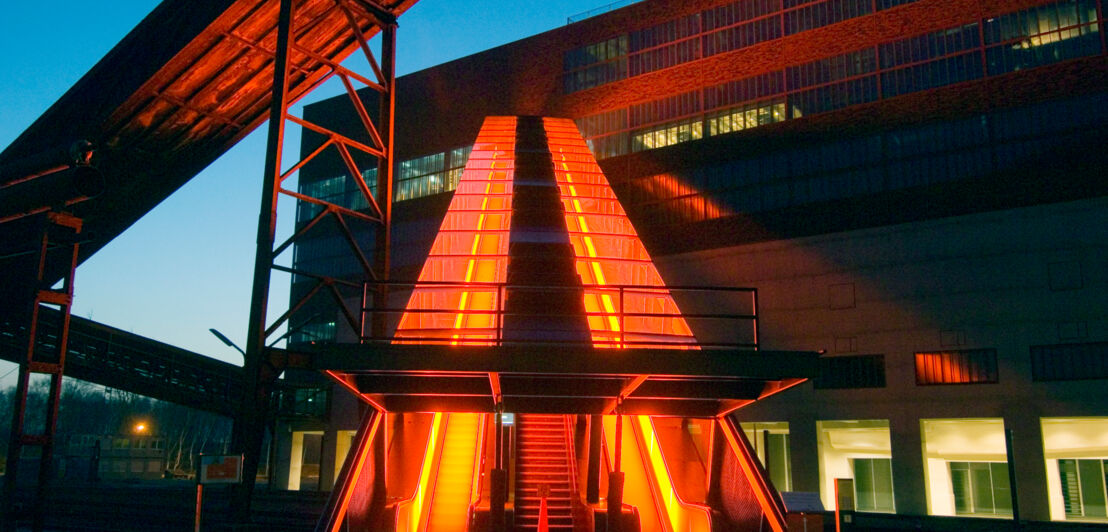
(1076, 452)
(966, 366)
(1083, 488)
(981, 488)
(1042, 35)
(771, 444)
(966, 469)
(667, 135)
(860, 450)
(873, 484)
(746, 117)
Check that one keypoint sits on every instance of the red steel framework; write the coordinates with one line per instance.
(58, 243)
(260, 369)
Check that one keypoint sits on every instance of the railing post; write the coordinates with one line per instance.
(596, 433)
(622, 321)
(754, 297)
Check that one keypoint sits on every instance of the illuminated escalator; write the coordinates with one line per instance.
(648, 483)
(448, 480)
(454, 485)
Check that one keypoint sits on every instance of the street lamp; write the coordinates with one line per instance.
(227, 341)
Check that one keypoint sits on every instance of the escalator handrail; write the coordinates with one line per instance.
(434, 441)
(702, 509)
(479, 467)
(572, 456)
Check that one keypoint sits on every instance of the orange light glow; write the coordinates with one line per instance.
(452, 304)
(682, 516)
(608, 252)
(679, 199)
(454, 481)
(648, 485)
(413, 511)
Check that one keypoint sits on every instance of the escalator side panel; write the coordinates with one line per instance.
(747, 497)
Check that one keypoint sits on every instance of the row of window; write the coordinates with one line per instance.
(1024, 39)
(966, 470)
(415, 178)
(1062, 362)
(913, 156)
(713, 31)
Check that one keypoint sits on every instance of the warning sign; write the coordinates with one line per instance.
(220, 468)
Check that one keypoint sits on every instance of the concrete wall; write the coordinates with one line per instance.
(1005, 280)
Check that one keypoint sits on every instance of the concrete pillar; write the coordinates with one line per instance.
(1029, 466)
(804, 453)
(327, 455)
(296, 459)
(283, 453)
(909, 486)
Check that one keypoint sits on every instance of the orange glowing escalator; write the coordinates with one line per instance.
(449, 478)
(648, 483)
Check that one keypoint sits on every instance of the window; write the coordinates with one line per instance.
(746, 117)
(771, 443)
(667, 135)
(815, 15)
(858, 449)
(965, 466)
(886, 4)
(966, 366)
(421, 176)
(981, 488)
(1076, 452)
(873, 484)
(1063, 362)
(1083, 487)
(1042, 35)
(595, 64)
(861, 371)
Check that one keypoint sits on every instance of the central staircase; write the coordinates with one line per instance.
(542, 464)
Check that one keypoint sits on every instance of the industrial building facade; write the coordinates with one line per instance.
(915, 187)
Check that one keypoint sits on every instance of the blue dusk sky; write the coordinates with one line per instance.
(186, 266)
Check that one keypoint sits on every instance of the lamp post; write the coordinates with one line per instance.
(227, 341)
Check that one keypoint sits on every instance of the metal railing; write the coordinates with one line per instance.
(621, 316)
(599, 10)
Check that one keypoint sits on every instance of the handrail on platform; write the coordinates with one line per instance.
(678, 316)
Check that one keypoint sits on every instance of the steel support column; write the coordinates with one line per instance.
(385, 177)
(247, 431)
(260, 371)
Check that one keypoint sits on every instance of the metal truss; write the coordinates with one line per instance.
(261, 369)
